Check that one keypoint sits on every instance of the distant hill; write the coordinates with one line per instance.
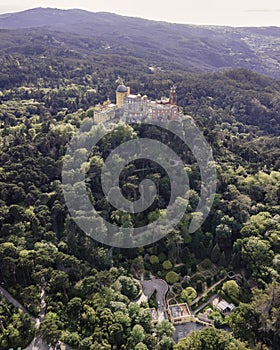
(160, 44)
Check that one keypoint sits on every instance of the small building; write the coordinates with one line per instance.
(179, 313)
(223, 306)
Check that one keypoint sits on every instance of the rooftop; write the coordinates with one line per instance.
(222, 305)
(121, 88)
(164, 106)
(179, 310)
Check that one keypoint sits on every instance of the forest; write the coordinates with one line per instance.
(90, 288)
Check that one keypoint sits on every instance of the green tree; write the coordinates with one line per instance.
(232, 289)
(223, 236)
(141, 346)
(51, 327)
(164, 328)
(188, 295)
(74, 307)
(129, 287)
(137, 336)
(244, 322)
(216, 254)
(166, 343)
(210, 339)
(256, 253)
(116, 333)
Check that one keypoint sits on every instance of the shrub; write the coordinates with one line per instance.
(154, 260)
(167, 265)
(162, 257)
(172, 277)
(177, 288)
(206, 264)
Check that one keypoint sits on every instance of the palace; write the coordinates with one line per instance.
(136, 108)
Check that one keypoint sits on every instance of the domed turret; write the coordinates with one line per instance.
(122, 88)
(121, 93)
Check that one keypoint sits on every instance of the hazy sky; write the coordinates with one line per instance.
(236, 12)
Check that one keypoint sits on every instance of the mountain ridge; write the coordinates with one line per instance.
(41, 9)
(192, 47)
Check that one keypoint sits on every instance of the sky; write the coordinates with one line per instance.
(210, 12)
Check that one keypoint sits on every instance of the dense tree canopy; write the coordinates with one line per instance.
(90, 288)
(210, 339)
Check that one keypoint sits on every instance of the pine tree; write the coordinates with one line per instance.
(210, 248)
(222, 260)
(216, 254)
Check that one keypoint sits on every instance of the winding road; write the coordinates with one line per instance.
(148, 289)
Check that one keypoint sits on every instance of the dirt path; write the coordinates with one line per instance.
(207, 291)
(205, 304)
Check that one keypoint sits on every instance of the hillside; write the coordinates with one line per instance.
(55, 67)
(90, 288)
(188, 47)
